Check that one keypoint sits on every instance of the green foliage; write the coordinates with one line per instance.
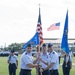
(15, 46)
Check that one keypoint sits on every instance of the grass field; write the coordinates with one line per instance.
(4, 67)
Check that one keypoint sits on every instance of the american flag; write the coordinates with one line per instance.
(54, 26)
(39, 28)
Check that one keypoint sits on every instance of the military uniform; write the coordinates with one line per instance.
(67, 63)
(25, 60)
(54, 59)
(13, 62)
(44, 60)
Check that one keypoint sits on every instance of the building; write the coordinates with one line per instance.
(57, 43)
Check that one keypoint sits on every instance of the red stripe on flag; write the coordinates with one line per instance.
(39, 30)
(53, 27)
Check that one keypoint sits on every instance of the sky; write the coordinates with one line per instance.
(18, 19)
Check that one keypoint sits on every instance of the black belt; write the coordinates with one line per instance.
(11, 63)
(54, 70)
(45, 70)
(25, 69)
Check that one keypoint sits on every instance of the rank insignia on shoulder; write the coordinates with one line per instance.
(53, 52)
(25, 53)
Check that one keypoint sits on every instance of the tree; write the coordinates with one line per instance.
(15, 46)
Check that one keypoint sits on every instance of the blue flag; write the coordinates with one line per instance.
(33, 41)
(64, 43)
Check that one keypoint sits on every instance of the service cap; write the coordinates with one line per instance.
(44, 45)
(50, 45)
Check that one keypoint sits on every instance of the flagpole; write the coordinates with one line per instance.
(38, 47)
(38, 51)
(39, 44)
